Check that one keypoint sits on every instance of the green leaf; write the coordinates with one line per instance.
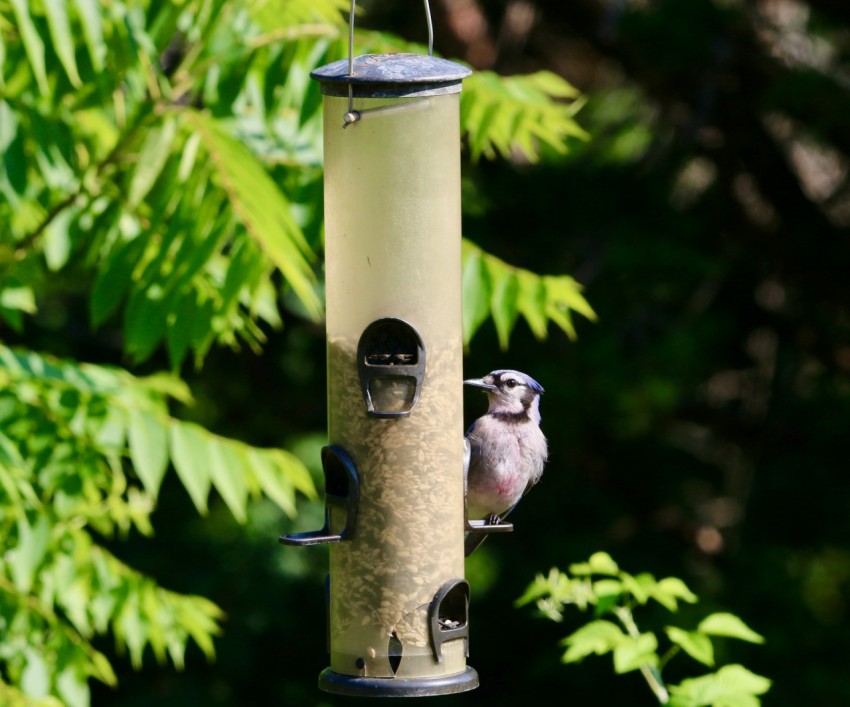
(89, 13)
(33, 45)
(227, 471)
(35, 680)
(274, 474)
(597, 637)
(145, 322)
(531, 302)
(200, 618)
(63, 41)
(20, 298)
(669, 590)
(599, 563)
(2, 88)
(694, 643)
(102, 669)
(556, 584)
(114, 279)
(731, 686)
(602, 563)
(503, 299)
(57, 239)
(130, 627)
(640, 587)
(553, 85)
(29, 552)
(148, 439)
(73, 687)
(180, 335)
(262, 209)
(476, 290)
(189, 454)
(151, 159)
(729, 625)
(635, 652)
(607, 588)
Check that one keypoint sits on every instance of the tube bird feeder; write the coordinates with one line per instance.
(394, 488)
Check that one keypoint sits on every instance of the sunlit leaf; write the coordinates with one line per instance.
(731, 686)
(20, 298)
(148, 438)
(72, 685)
(607, 588)
(503, 302)
(531, 302)
(597, 637)
(113, 279)
(603, 563)
(669, 590)
(29, 551)
(151, 159)
(635, 652)
(89, 13)
(271, 479)
(476, 291)
(189, 454)
(35, 678)
(57, 239)
(130, 627)
(227, 472)
(32, 43)
(63, 42)
(640, 587)
(694, 643)
(729, 625)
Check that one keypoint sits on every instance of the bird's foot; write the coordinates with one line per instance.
(493, 519)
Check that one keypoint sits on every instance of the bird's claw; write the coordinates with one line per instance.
(493, 519)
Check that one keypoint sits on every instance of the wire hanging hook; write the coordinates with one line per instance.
(430, 28)
(352, 116)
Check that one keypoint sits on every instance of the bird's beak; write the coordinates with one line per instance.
(480, 383)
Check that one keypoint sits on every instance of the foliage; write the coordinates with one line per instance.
(494, 289)
(162, 162)
(83, 451)
(601, 587)
(519, 113)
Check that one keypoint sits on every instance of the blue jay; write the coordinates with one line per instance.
(505, 447)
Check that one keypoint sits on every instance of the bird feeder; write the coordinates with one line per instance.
(394, 489)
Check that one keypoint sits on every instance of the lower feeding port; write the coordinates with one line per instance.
(334, 682)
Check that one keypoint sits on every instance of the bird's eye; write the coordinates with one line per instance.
(511, 383)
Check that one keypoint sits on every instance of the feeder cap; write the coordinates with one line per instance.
(392, 75)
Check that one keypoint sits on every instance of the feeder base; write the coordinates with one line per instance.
(353, 685)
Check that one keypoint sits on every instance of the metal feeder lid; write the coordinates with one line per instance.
(392, 76)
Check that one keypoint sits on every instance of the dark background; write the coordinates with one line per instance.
(698, 429)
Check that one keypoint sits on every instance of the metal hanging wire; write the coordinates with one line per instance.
(352, 11)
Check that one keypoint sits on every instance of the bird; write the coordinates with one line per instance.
(505, 449)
